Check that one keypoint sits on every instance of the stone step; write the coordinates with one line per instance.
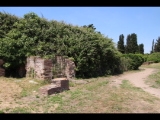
(49, 89)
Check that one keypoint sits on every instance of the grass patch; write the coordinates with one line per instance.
(72, 84)
(20, 110)
(1, 111)
(94, 86)
(76, 94)
(154, 79)
(56, 99)
(158, 81)
(126, 85)
(24, 93)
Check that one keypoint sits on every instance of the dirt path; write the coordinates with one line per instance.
(138, 80)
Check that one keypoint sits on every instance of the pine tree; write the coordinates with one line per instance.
(120, 45)
(141, 48)
(157, 45)
(128, 44)
(152, 46)
(131, 44)
(134, 45)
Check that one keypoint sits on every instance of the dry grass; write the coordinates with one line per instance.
(154, 79)
(99, 95)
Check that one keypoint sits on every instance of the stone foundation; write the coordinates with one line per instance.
(49, 89)
(61, 82)
(58, 85)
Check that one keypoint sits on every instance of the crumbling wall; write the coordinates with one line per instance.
(2, 71)
(38, 68)
(48, 69)
(64, 67)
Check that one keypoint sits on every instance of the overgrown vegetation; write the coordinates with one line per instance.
(93, 53)
(131, 61)
(155, 57)
(153, 80)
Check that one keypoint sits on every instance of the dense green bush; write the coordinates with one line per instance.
(94, 54)
(145, 57)
(125, 63)
(132, 61)
(155, 57)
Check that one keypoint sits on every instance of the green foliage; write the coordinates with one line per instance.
(93, 53)
(134, 61)
(132, 46)
(152, 47)
(145, 57)
(125, 63)
(141, 48)
(6, 23)
(157, 45)
(120, 45)
(155, 57)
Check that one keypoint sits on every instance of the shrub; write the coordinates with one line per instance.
(155, 57)
(134, 61)
(125, 63)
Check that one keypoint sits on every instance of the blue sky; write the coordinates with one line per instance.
(110, 21)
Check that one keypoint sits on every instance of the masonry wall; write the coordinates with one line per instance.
(65, 67)
(48, 69)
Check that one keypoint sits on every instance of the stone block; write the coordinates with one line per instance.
(49, 89)
(63, 83)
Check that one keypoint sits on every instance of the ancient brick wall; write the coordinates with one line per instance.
(48, 69)
(38, 68)
(64, 67)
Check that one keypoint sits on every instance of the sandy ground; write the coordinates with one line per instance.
(138, 80)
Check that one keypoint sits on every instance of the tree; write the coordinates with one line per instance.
(134, 45)
(131, 45)
(120, 45)
(128, 44)
(91, 26)
(157, 45)
(141, 48)
(6, 23)
(152, 47)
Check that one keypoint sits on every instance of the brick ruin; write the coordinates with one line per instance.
(48, 69)
(58, 71)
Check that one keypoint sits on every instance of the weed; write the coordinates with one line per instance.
(1, 111)
(37, 96)
(20, 110)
